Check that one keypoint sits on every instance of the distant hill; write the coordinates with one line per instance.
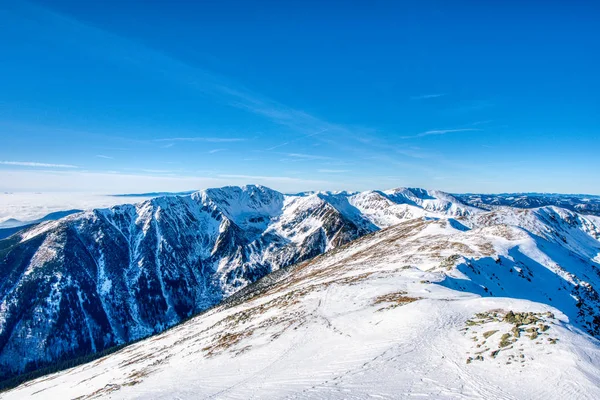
(154, 194)
(12, 226)
(581, 203)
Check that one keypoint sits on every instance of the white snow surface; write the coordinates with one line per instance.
(384, 317)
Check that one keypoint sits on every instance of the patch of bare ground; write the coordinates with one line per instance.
(106, 390)
(486, 249)
(449, 262)
(448, 245)
(89, 379)
(225, 341)
(242, 350)
(100, 360)
(393, 300)
(137, 377)
(155, 359)
(135, 359)
(506, 232)
(43, 379)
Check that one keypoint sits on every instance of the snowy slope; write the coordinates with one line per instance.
(499, 305)
(105, 277)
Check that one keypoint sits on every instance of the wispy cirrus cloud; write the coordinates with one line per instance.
(103, 156)
(201, 139)
(307, 156)
(271, 179)
(415, 152)
(37, 164)
(158, 171)
(445, 131)
(319, 132)
(333, 171)
(440, 132)
(213, 151)
(277, 146)
(428, 96)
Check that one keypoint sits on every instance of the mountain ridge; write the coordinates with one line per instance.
(448, 307)
(582, 203)
(109, 276)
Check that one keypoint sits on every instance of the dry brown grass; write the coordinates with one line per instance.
(225, 341)
(393, 300)
(106, 390)
(135, 359)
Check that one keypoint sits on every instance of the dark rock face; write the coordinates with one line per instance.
(105, 277)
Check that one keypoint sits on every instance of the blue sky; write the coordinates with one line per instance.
(133, 96)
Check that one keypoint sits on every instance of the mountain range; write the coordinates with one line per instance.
(308, 268)
(582, 203)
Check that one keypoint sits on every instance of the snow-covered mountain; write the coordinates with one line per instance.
(96, 279)
(581, 203)
(12, 226)
(461, 304)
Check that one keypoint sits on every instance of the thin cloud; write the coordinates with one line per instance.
(445, 131)
(440, 132)
(37, 164)
(428, 96)
(338, 163)
(297, 139)
(272, 179)
(103, 156)
(157, 171)
(277, 146)
(415, 153)
(213, 151)
(200, 139)
(333, 171)
(307, 156)
(262, 177)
